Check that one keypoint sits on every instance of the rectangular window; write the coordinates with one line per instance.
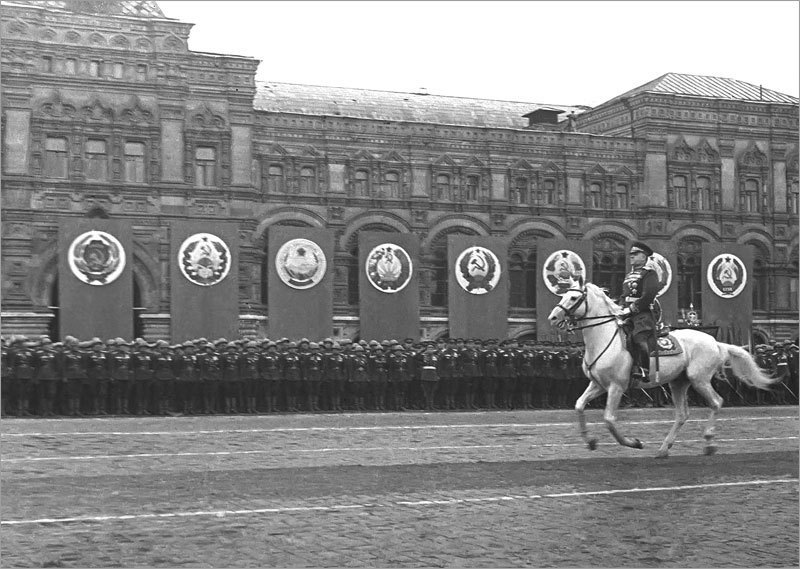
(275, 179)
(117, 71)
(94, 68)
(96, 160)
(793, 204)
(596, 196)
(134, 162)
(549, 192)
(361, 183)
(442, 187)
(622, 202)
(205, 166)
(71, 66)
(55, 158)
(750, 197)
(141, 72)
(307, 185)
(473, 183)
(393, 184)
(680, 192)
(47, 64)
(704, 198)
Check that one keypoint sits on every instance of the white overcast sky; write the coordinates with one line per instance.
(565, 53)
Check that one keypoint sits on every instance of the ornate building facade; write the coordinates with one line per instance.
(107, 113)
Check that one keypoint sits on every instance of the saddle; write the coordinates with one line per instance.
(667, 344)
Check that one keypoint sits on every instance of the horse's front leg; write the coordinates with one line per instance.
(615, 392)
(593, 391)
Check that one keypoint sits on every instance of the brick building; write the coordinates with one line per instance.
(107, 113)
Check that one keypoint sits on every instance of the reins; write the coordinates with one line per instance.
(571, 319)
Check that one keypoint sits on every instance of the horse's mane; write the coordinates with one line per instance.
(612, 306)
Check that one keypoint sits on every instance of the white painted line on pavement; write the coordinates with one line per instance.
(355, 449)
(376, 428)
(391, 505)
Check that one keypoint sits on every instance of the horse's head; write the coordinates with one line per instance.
(565, 310)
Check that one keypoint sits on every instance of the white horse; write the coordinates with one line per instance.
(607, 364)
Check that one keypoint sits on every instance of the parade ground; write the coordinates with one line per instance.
(412, 489)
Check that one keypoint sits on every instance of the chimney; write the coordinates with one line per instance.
(543, 115)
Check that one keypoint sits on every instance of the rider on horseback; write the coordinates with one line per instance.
(639, 290)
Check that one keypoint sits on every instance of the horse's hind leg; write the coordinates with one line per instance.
(615, 392)
(592, 392)
(704, 388)
(680, 390)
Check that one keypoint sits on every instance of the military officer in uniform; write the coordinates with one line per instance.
(270, 373)
(527, 367)
(23, 374)
(48, 374)
(74, 374)
(211, 374)
(429, 375)
(639, 290)
(248, 372)
(489, 363)
(142, 364)
(399, 376)
(293, 376)
(469, 357)
(188, 383)
(313, 376)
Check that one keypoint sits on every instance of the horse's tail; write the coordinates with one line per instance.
(744, 366)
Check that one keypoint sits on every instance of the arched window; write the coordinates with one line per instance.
(690, 274)
(275, 183)
(704, 200)
(352, 277)
(622, 197)
(440, 276)
(760, 284)
(392, 184)
(608, 270)
(516, 279)
(443, 187)
(680, 191)
(361, 183)
(307, 180)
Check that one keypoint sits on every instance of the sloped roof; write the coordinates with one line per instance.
(395, 106)
(711, 87)
(135, 8)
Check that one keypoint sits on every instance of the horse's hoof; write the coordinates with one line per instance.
(592, 444)
(709, 450)
(662, 454)
(637, 443)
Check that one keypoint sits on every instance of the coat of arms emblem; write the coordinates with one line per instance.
(663, 269)
(389, 268)
(300, 263)
(563, 270)
(477, 270)
(204, 259)
(96, 258)
(726, 275)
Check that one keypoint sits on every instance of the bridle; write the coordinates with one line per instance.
(569, 312)
(571, 318)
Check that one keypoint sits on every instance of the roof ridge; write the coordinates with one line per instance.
(258, 82)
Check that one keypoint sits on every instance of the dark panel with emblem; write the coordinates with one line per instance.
(665, 262)
(728, 291)
(204, 275)
(477, 286)
(560, 265)
(300, 282)
(95, 284)
(388, 285)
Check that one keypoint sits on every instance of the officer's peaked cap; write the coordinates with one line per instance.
(638, 246)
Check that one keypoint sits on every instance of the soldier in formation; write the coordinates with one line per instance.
(96, 377)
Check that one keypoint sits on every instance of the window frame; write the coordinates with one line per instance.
(98, 159)
(203, 165)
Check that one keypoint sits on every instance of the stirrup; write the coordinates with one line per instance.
(639, 373)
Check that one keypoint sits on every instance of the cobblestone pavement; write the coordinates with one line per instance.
(398, 490)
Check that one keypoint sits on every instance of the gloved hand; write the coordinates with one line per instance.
(626, 312)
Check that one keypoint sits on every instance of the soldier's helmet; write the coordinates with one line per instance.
(336, 346)
(291, 345)
(313, 346)
(358, 348)
(271, 344)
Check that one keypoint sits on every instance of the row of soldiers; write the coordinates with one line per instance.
(245, 376)
(46, 378)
